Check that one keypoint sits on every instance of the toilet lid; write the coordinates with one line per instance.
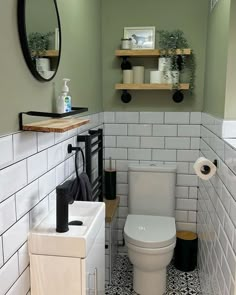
(150, 231)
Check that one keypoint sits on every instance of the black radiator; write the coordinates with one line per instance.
(94, 145)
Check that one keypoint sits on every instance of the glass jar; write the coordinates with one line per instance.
(126, 43)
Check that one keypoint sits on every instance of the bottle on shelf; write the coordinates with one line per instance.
(64, 100)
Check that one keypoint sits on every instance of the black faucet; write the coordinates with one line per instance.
(65, 196)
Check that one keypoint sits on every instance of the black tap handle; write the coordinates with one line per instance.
(64, 197)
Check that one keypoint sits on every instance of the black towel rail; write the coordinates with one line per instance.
(94, 145)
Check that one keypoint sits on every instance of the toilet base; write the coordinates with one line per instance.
(149, 283)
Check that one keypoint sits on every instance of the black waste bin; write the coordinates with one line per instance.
(185, 256)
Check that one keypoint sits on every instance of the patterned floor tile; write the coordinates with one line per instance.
(178, 282)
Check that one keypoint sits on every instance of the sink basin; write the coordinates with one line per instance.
(44, 240)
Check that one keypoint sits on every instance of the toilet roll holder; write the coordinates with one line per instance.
(206, 169)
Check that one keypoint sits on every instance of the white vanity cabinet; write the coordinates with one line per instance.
(63, 264)
(93, 267)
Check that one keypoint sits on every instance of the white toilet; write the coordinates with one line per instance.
(150, 232)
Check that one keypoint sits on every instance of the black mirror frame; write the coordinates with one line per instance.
(23, 40)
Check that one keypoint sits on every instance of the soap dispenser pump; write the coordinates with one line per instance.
(64, 100)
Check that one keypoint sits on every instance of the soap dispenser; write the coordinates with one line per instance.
(64, 100)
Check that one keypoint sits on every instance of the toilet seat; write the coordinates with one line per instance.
(148, 231)
(151, 251)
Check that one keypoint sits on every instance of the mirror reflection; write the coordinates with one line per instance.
(42, 37)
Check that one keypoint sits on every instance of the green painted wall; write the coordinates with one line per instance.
(216, 59)
(187, 15)
(230, 101)
(34, 11)
(80, 61)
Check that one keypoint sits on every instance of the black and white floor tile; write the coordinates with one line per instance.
(178, 282)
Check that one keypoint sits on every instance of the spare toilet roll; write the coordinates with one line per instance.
(138, 74)
(128, 76)
(156, 77)
(204, 168)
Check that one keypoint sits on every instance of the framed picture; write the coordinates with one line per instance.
(142, 37)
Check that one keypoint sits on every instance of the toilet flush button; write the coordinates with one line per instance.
(141, 228)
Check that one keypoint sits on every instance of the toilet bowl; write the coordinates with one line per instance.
(150, 231)
(150, 241)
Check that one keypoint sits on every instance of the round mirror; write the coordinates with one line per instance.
(40, 36)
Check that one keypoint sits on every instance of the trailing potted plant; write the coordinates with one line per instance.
(38, 43)
(169, 42)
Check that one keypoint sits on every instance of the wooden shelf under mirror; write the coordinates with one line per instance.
(182, 86)
(55, 125)
(150, 52)
(59, 123)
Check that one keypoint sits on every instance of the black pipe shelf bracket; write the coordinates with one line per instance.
(177, 96)
(75, 111)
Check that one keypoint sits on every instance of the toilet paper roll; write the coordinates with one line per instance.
(204, 168)
(156, 77)
(128, 76)
(164, 64)
(138, 74)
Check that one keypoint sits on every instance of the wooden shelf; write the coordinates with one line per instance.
(51, 53)
(111, 207)
(48, 53)
(147, 52)
(150, 86)
(55, 125)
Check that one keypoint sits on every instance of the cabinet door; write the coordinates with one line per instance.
(94, 266)
(52, 275)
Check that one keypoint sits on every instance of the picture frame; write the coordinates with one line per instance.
(142, 37)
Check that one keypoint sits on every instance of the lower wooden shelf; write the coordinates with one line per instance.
(55, 125)
(182, 86)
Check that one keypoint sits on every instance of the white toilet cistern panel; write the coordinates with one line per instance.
(152, 190)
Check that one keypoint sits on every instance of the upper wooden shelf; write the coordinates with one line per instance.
(55, 125)
(148, 52)
(183, 86)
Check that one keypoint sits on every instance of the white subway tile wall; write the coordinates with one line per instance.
(155, 137)
(6, 155)
(216, 215)
(23, 257)
(22, 285)
(34, 163)
(31, 164)
(9, 273)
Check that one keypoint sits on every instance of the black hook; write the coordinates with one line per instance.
(70, 148)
